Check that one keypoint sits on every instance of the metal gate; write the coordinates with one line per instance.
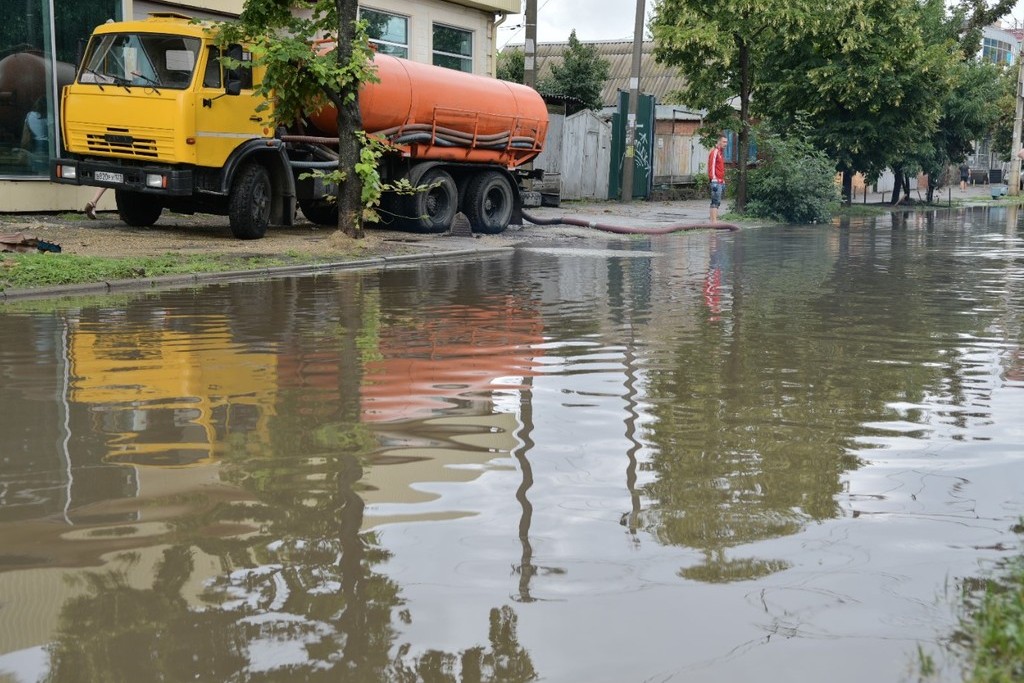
(643, 176)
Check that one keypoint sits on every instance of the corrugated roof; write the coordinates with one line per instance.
(655, 79)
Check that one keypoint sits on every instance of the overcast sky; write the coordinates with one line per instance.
(592, 19)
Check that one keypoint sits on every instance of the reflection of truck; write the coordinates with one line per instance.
(172, 402)
(154, 114)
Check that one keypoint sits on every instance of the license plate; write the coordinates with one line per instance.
(109, 177)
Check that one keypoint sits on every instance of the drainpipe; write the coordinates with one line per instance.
(502, 16)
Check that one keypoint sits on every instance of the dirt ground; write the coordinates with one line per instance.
(205, 234)
(108, 236)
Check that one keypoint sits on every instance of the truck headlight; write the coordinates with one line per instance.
(156, 180)
(69, 172)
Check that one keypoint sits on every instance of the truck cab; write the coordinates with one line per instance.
(154, 114)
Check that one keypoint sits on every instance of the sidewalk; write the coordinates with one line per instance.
(641, 211)
(942, 196)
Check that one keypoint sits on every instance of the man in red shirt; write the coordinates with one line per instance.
(716, 173)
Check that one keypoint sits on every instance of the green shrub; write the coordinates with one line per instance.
(701, 182)
(793, 182)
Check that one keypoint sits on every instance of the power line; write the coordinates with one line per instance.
(522, 26)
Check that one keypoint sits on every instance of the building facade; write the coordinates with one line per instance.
(41, 42)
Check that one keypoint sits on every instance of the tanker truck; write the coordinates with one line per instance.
(154, 114)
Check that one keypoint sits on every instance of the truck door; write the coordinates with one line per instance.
(225, 121)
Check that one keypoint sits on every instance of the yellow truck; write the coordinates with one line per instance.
(154, 114)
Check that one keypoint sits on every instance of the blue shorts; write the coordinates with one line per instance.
(717, 190)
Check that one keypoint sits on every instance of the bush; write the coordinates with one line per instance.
(794, 182)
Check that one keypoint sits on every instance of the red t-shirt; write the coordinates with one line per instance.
(716, 165)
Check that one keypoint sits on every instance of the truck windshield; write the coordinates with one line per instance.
(144, 59)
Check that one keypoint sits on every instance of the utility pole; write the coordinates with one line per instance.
(629, 158)
(530, 49)
(1013, 182)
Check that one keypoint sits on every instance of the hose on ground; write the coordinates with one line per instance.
(627, 230)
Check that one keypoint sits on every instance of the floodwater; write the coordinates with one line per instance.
(776, 455)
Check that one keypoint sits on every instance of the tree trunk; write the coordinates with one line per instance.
(350, 203)
(897, 186)
(848, 186)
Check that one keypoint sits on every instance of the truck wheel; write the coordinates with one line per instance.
(434, 209)
(489, 202)
(249, 207)
(320, 212)
(137, 209)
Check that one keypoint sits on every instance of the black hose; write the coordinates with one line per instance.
(626, 230)
(313, 164)
(314, 139)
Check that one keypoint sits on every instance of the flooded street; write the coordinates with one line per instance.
(772, 455)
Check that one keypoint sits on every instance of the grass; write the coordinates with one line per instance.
(854, 210)
(994, 629)
(22, 271)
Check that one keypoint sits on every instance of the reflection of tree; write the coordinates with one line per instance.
(103, 635)
(301, 596)
(752, 437)
(313, 607)
(505, 661)
(74, 22)
(743, 452)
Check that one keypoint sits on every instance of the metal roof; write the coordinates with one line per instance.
(655, 79)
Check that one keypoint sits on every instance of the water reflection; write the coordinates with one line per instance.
(422, 473)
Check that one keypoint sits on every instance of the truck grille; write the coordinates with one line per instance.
(122, 143)
(125, 142)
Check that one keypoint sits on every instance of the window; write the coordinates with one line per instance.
(453, 48)
(36, 64)
(997, 51)
(141, 59)
(388, 32)
(212, 73)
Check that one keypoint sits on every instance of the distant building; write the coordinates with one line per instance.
(999, 45)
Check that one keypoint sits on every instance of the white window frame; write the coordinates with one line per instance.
(435, 53)
(395, 49)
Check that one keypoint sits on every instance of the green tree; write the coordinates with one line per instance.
(720, 49)
(1006, 104)
(867, 82)
(970, 105)
(581, 74)
(970, 111)
(511, 65)
(301, 79)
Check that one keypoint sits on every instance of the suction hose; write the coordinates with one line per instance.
(625, 230)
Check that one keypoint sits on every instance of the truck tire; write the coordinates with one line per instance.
(489, 202)
(137, 209)
(320, 212)
(249, 205)
(432, 210)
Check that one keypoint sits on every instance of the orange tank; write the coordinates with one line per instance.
(430, 112)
